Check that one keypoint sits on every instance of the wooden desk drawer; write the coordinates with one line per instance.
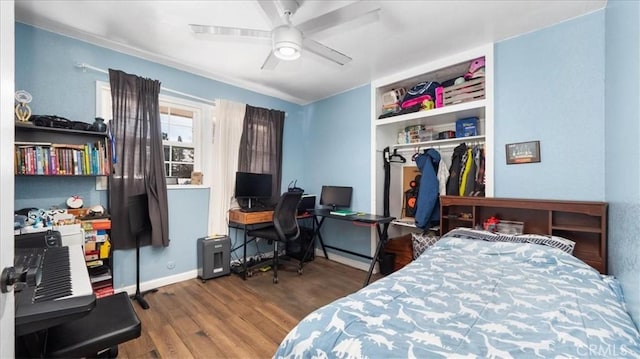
(250, 217)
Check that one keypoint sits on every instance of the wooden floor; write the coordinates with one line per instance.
(227, 317)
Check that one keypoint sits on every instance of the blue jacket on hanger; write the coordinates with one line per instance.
(428, 208)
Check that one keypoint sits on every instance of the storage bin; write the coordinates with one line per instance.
(510, 227)
(466, 127)
(443, 135)
(467, 91)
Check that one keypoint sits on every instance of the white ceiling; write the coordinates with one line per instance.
(407, 34)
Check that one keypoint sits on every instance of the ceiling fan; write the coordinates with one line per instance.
(289, 40)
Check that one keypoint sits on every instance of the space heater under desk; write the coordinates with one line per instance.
(214, 257)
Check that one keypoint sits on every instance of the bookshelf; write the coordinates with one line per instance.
(583, 222)
(44, 151)
(62, 153)
(97, 251)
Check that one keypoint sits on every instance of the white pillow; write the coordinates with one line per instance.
(561, 243)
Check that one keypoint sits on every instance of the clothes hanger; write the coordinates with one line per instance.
(416, 154)
(396, 157)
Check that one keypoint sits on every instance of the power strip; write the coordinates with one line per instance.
(252, 262)
(255, 258)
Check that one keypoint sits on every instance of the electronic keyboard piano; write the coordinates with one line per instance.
(55, 287)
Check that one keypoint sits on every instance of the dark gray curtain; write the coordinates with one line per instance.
(138, 157)
(261, 145)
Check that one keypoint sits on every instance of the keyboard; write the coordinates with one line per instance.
(57, 288)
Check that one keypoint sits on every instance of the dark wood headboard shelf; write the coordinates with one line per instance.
(582, 222)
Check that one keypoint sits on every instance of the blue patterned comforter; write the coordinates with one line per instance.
(468, 298)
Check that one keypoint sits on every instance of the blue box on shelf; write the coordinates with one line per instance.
(466, 127)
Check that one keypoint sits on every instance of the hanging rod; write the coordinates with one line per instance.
(85, 67)
(435, 146)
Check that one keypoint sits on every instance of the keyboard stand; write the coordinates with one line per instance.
(139, 296)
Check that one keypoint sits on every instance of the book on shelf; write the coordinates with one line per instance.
(95, 263)
(102, 284)
(96, 224)
(101, 278)
(91, 255)
(104, 291)
(42, 158)
(100, 274)
(343, 212)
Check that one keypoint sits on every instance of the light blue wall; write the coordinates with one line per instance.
(45, 67)
(622, 131)
(186, 207)
(549, 86)
(48, 192)
(338, 145)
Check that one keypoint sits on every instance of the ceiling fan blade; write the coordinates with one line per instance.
(270, 62)
(229, 31)
(326, 52)
(273, 13)
(361, 10)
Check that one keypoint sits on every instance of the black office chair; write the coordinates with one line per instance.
(285, 226)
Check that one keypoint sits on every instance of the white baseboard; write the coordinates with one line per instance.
(346, 261)
(159, 282)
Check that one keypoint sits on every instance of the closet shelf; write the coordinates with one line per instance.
(405, 221)
(450, 142)
(438, 116)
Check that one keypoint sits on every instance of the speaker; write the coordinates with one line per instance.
(214, 257)
(411, 197)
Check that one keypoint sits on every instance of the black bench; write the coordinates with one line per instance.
(111, 322)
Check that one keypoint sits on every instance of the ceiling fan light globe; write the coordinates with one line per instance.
(287, 51)
(287, 42)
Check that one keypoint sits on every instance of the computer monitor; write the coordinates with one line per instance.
(336, 196)
(253, 185)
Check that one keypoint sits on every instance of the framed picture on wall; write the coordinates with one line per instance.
(523, 152)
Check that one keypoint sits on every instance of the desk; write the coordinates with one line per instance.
(246, 221)
(251, 220)
(246, 218)
(381, 223)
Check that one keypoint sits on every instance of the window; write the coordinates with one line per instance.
(181, 123)
(178, 140)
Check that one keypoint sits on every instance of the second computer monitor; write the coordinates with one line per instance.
(336, 196)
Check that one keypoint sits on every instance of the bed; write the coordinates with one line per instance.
(475, 295)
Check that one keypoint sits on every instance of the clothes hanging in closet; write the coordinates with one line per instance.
(468, 180)
(479, 184)
(466, 173)
(453, 183)
(428, 208)
(387, 159)
(443, 176)
(387, 180)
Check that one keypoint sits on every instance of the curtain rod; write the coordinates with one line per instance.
(84, 67)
